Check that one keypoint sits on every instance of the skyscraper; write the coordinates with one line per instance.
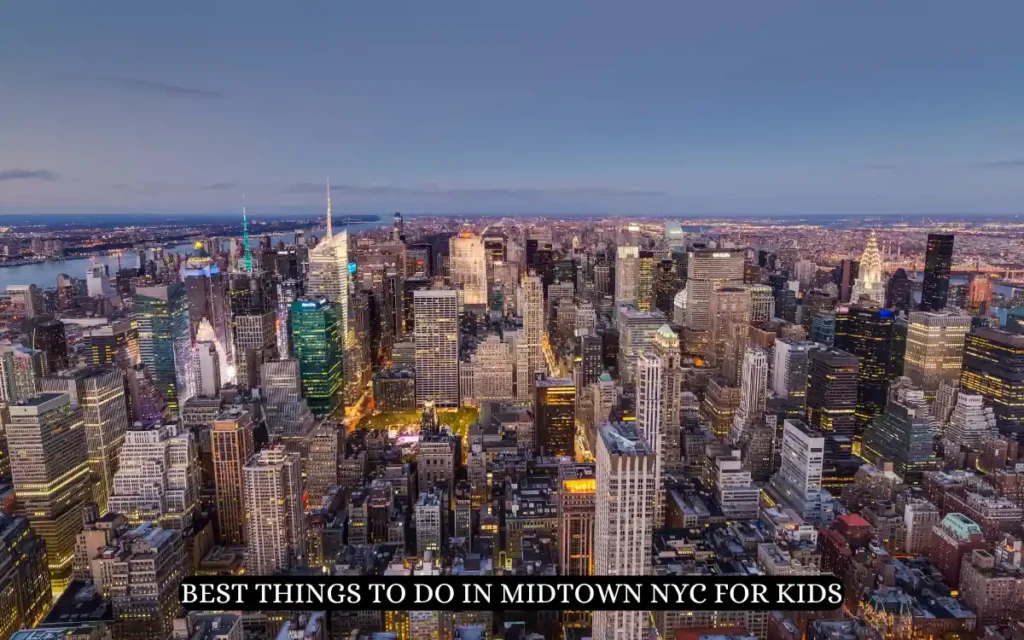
(318, 340)
(576, 507)
(627, 272)
(706, 272)
(904, 434)
(867, 333)
(938, 263)
(869, 282)
(165, 341)
(232, 441)
(437, 347)
(275, 522)
(753, 391)
(531, 343)
(645, 281)
(832, 392)
(554, 411)
(798, 481)
(636, 330)
(207, 291)
(789, 370)
(658, 391)
(935, 348)
(627, 494)
(899, 291)
(994, 368)
(468, 267)
(50, 466)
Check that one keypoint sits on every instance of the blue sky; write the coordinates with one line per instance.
(484, 107)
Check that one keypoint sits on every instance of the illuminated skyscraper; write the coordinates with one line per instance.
(789, 370)
(207, 291)
(979, 297)
(50, 466)
(328, 276)
(165, 341)
(658, 391)
(437, 347)
(706, 272)
(867, 332)
(531, 342)
(554, 411)
(275, 522)
(636, 330)
(319, 342)
(935, 348)
(938, 263)
(904, 434)
(728, 308)
(576, 506)
(994, 368)
(832, 392)
(627, 272)
(798, 481)
(869, 282)
(624, 518)
(232, 441)
(753, 391)
(645, 281)
(468, 266)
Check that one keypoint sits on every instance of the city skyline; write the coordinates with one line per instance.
(788, 109)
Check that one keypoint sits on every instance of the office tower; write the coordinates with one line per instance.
(26, 300)
(208, 363)
(658, 388)
(494, 247)
(114, 343)
(832, 392)
(587, 366)
(645, 300)
(322, 470)
(636, 330)
(935, 348)
(576, 507)
(971, 423)
(46, 439)
(328, 274)
(813, 303)
(866, 332)
(627, 274)
(275, 522)
(728, 307)
(904, 434)
(845, 276)
(159, 478)
(436, 459)
(20, 370)
(97, 280)
(919, 518)
(165, 341)
(232, 443)
(869, 276)
(938, 262)
(979, 296)
(255, 343)
(627, 492)
(789, 369)
(468, 267)
(719, 407)
(733, 488)
(430, 514)
(285, 411)
(666, 284)
(437, 347)
(798, 481)
(554, 411)
(398, 228)
(954, 537)
(707, 271)
(493, 371)
(753, 392)
(993, 367)
(99, 391)
(49, 337)
(418, 259)
(586, 318)
(318, 339)
(207, 291)
(762, 302)
(899, 292)
(604, 274)
(531, 341)
(24, 575)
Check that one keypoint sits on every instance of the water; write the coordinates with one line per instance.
(44, 274)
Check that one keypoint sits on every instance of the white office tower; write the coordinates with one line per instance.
(707, 271)
(159, 477)
(286, 411)
(762, 302)
(935, 348)
(97, 281)
(734, 489)
(467, 264)
(753, 391)
(493, 365)
(436, 335)
(798, 481)
(658, 389)
(869, 282)
(586, 318)
(789, 368)
(627, 492)
(679, 308)
(945, 401)
(627, 273)
(972, 422)
(530, 345)
(328, 269)
(636, 333)
(275, 522)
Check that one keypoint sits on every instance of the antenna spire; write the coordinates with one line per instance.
(329, 229)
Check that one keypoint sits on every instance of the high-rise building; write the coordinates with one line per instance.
(636, 331)
(255, 343)
(165, 341)
(789, 368)
(919, 518)
(645, 280)
(576, 507)
(659, 380)
(493, 371)
(728, 308)
(798, 481)
(627, 273)
(430, 514)
(50, 466)
(208, 300)
(530, 346)
(938, 262)
(904, 434)
(627, 492)
(762, 302)
(158, 479)
(20, 370)
(328, 276)
(706, 272)
(935, 348)
(979, 296)
(233, 445)
(99, 391)
(971, 423)
(867, 332)
(24, 575)
(285, 411)
(869, 282)
(437, 347)
(554, 411)
(274, 517)
(832, 392)
(753, 392)
(468, 267)
(322, 469)
(899, 292)
(993, 367)
(318, 339)
(953, 538)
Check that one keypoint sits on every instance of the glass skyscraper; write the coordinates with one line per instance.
(938, 262)
(165, 341)
(319, 348)
(867, 332)
(994, 368)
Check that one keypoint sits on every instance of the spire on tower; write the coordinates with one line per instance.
(329, 230)
(245, 239)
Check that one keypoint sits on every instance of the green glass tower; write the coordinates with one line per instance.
(165, 340)
(319, 348)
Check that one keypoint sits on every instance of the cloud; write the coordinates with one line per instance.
(219, 186)
(434, 191)
(162, 88)
(1016, 163)
(7, 175)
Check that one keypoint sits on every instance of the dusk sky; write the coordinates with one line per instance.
(870, 107)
